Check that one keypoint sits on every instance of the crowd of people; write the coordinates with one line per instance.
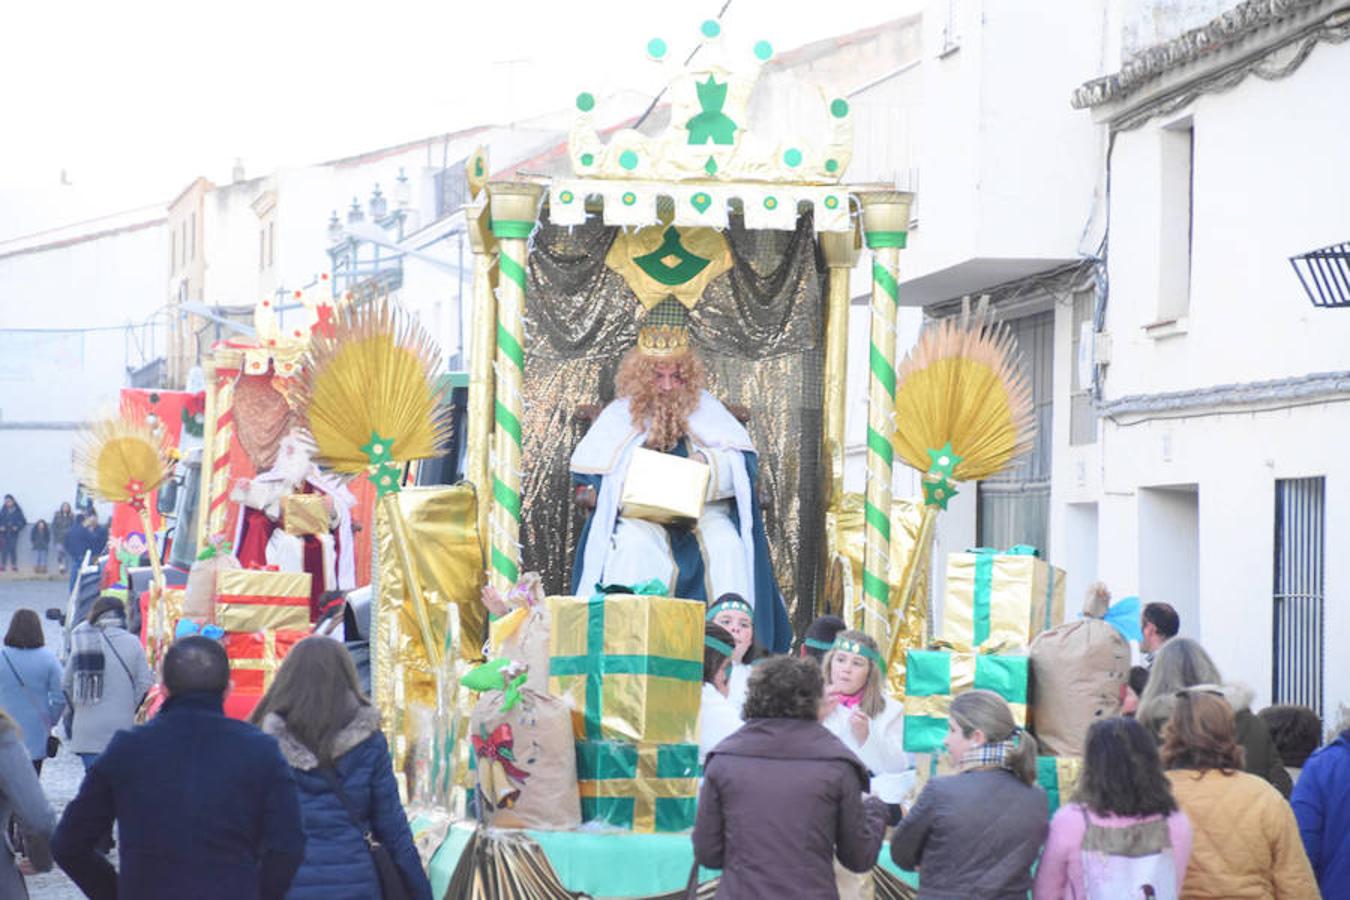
(1187, 793)
(60, 541)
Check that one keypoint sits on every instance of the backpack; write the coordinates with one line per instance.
(1135, 862)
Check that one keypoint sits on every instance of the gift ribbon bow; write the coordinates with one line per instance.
(212, 550)
(1124, 617)
(498, 746)
(652, 587)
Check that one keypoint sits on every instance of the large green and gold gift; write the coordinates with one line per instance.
(1001, 598)
(934, 677)
(638, 786)
(1058, 776)
(630, 664)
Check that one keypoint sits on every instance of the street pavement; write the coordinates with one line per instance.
(61, 775)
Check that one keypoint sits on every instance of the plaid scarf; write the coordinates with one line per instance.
(988, 756)
(87, 657)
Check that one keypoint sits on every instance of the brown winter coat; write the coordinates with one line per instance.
(1246, 840)
(781, 799)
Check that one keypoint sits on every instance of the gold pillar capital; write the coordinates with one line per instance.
(513, 202)
(884, 212)
(841, 248)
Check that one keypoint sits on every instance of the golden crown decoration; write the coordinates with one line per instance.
(663, 340)
(664, 330)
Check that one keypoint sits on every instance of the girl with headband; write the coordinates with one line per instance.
(859, 713)
(717, 717)
(736, 616)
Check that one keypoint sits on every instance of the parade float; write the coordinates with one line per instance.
(544, 730)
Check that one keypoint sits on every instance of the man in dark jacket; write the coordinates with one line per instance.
(83, 536)
(783, 797)
(206, 806)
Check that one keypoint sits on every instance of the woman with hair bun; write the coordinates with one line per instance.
(976, 834)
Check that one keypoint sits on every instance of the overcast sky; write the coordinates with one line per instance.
(134, 99)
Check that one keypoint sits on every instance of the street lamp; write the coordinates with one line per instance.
(334, 228)
(378, 204)
(355, 214)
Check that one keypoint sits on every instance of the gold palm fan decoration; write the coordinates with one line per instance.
(120, 460)
(368, 395)
(963, 412)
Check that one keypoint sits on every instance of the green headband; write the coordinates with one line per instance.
(738, 605)
(852, 645)
(817, 644)
(721, 647)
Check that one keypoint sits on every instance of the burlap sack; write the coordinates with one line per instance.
(1076, 673)
(528, 644)
(199, 595)
(526, 762)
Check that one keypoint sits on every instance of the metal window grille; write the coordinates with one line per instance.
(452, 189)
(1013, 507)
(1325, 275)
(1299, 595)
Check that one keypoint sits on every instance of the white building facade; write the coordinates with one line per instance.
(80, 313)
(1219, 481)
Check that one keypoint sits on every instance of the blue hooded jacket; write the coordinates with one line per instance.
(1322, 806)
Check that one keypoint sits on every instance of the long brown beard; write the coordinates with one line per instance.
(664, 416)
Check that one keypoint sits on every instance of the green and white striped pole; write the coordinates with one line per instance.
(885, 217)
(514, 208)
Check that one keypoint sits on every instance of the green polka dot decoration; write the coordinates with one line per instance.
(793, 157)
(629, 198)
(831, 201)
(656, 48)
(587, 159)
(763, 50)
(839, 108)
(710, 28)
(628, 159)
(710, 166)
(585, 101)
(566, 196)
(831, 165)
(770, 202)
(701, 201)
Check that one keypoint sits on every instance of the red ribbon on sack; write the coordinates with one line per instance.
(498, 746)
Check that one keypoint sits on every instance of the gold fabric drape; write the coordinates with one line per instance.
(760, 329)
(441, 524)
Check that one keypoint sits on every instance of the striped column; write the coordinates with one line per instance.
(514, 207)
(216, 455)
(885, 225)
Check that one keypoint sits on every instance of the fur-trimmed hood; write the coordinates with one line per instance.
(365, 723)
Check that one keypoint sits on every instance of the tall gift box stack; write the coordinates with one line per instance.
(264, 614)
(631, 668)
(996, 602)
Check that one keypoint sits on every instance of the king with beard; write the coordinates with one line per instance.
(661, 405)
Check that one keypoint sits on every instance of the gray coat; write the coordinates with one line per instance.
(95, 723)
(21, 797)
(973, 836)
(37, 703)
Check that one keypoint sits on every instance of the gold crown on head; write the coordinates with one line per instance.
(665, 330)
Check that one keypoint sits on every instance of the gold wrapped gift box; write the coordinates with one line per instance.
(259, 600)
(662, 487)
(1000, 599)
(303, 514)
(630, 666)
